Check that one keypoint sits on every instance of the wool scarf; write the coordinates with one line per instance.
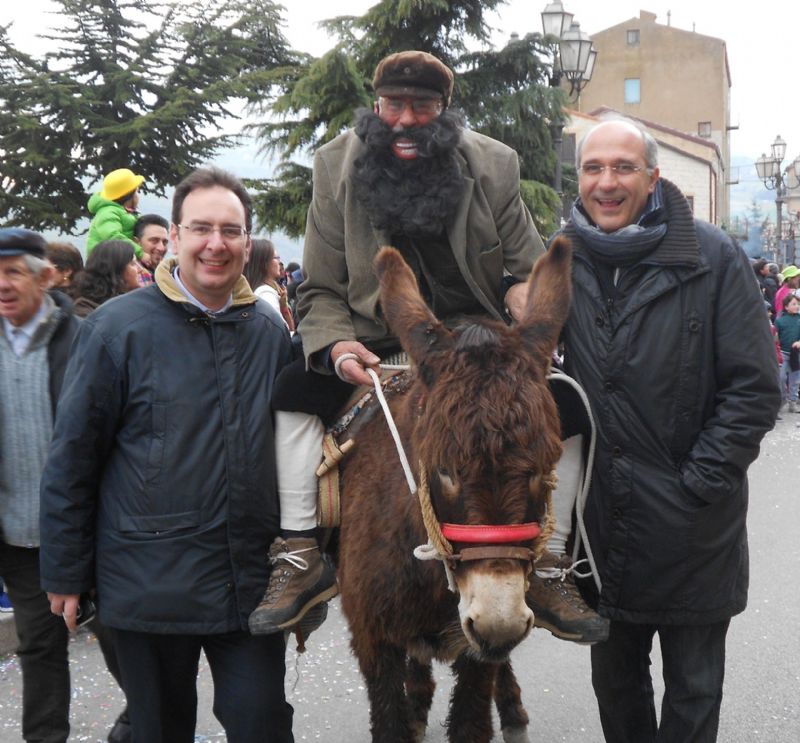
(677, 246)
(630, 244)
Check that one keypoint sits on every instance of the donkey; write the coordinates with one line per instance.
(480, 424)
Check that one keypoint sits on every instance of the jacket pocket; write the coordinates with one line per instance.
(160, 524)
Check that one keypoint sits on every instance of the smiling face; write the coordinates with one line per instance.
(210, 265)
(612, 200)
(407, 112)
(154, 242)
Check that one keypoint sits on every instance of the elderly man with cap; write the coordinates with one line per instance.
(409, 174)
(38, 329)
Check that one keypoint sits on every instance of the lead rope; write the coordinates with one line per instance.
(583, 493)
(437, 548)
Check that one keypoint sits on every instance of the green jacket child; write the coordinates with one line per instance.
(114, 209)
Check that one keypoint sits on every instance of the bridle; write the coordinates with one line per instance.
(494, 539)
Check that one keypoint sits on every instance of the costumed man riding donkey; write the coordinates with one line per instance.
(410, 175)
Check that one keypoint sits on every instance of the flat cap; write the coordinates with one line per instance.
(18, 241)
(413, 73)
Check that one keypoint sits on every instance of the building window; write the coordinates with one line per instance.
(704, 129)
(632, 90)
(633, 37)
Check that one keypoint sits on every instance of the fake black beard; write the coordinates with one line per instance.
(409, 197)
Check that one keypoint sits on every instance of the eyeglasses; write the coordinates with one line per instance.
(420, 106)
(621, 169)
(229, 233)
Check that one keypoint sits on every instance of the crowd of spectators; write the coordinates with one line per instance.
(51, 286)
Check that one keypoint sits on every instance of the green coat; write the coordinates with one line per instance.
(111, 222)
(492, 235)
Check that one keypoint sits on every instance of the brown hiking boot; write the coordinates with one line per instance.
(557, 604)
(301, 578)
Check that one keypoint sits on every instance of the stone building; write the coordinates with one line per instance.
(676, 80)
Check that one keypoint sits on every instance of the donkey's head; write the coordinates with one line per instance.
(487, 431)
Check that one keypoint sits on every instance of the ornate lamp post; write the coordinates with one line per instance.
(573, 59)
(769, 171)
(573, 53)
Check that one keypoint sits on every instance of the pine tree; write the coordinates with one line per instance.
(141, 84)
(504, 94)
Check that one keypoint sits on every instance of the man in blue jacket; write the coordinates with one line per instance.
(668, 336)
(159, 490)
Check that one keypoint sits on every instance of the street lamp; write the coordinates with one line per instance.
(573, 59)
(573, 53)
(769, 171)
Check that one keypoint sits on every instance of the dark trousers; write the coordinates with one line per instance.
(694, 668)
(42, 651)
(159, 674)
(105, 639)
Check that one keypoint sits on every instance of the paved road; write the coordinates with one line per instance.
(762, 691)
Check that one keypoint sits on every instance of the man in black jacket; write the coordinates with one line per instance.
(37, 331)
(159, 490)
(669, 338)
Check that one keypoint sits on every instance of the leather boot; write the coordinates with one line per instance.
(301, 578)
(557, 604)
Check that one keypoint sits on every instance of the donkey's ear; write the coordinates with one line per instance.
(409, 318)
(549, 296)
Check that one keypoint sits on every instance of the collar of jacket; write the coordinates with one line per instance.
(679, 247)
(242, 294)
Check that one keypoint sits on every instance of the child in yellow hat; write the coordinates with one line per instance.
(114, 209)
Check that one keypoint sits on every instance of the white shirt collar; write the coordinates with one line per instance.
(20, 336)
(195, 301)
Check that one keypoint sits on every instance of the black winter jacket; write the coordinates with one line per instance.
(60, 344)
(680, 372)
(159, 489)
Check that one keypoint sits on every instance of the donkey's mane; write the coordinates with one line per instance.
(476, 335)
(490, 402)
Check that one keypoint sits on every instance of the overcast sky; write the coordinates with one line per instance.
(762, 48)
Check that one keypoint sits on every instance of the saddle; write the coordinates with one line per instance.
(340, 439)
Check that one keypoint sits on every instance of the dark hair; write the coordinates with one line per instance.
(146, 220)
(208, 178)
(64, 256)
(101, 278)
(262, 251)
(122, 199)
(758, 265)
(788, 298)
(292, 266)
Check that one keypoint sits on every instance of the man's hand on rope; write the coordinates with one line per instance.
(350, 358)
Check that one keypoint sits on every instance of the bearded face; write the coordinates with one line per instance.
(414, 197)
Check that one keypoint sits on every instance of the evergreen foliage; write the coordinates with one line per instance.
(150, 84)
(142, 84)
(503, 93)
